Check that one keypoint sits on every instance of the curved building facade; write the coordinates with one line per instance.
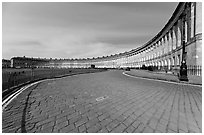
(179, 41)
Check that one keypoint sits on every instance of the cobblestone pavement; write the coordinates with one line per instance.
(105, 102)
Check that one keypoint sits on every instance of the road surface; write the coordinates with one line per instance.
(105, 102)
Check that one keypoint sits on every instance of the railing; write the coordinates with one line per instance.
(191, 69)
(13, 78)
(194, 70)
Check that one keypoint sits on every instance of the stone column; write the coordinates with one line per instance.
(170, 41)
(192, 19)
(179, 34)
(198, 33)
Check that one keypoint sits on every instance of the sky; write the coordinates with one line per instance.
(79, 30)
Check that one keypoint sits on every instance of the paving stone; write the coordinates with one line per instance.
(61, 125)
(54, 114)
(157, 131)
(136, 123)
(103, 130)
(74, 119)
(7, 125)
(181, 131)
(148, 130)
(61, 119)
(163, 122)
(153, 123)
(130, 129)
(81, 121)
(121, 118)
(161, 128)
(47, 125)
(102, 117)
(82, 128)
(105, 122)
(92, 115)
(74, 131)
(112, 125)
(11, 130)
(94, 129)
(62, 115)
(171, 131)
(46, 130)
(92, 122)
(141, 105)
(194, 129)
(45, 121)
(144, 119)
(119, 129)
(173, 127)
(67, 129)
(140, 128)
(73, 115)
(128, 121)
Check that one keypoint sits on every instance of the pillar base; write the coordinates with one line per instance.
(183, 78)
(183, 72)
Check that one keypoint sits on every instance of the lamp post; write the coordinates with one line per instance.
(32, 71)
(183, 67)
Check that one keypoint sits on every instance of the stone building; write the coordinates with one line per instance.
(6, 63)
(180, 40)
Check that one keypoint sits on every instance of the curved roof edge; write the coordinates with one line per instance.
(166, 27)
(177, 12)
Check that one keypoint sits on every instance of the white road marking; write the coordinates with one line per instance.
(101, 98)
(14, 95)
(161, 80)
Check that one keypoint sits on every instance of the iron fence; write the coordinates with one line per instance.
(194, 70)
(16, 78)
(191, 69)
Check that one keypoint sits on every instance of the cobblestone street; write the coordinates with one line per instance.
(105, 102)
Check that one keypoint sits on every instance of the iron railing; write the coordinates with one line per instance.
(194, 70)
(15, 78)
(191, 69)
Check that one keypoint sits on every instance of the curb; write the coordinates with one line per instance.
(164, 79)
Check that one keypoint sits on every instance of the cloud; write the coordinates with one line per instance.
(94, 50)
(26, 43)
(133, 40)
(73, 30)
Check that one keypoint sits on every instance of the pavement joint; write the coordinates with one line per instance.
(133, 105)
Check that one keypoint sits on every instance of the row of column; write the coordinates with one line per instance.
(168, 43)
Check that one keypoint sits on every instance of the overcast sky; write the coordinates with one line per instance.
(79, 30)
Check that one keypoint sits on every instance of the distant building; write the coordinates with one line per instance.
(25, 62)
(6, 63)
